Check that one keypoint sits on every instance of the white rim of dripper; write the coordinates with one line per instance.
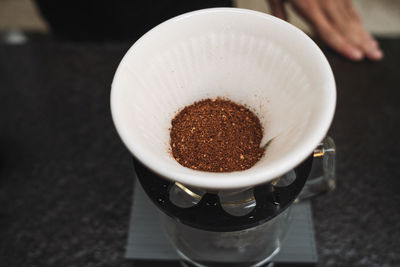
(233, 180)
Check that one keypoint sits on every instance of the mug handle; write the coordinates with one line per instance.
(322, 177)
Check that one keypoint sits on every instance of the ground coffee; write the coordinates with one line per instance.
(216, 135)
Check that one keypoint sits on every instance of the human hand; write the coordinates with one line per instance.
(337, 23)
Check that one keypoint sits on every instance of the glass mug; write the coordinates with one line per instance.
(253, 246)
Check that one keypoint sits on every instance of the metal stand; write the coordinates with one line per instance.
(148, 246)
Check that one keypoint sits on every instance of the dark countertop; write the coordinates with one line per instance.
(66, 179)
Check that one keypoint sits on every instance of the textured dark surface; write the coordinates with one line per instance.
(359, 223)
(66, 179)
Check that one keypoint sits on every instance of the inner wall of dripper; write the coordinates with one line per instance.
(251, 71)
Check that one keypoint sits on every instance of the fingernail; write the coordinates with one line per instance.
(376, 54)
(374, 43)
(356, 54)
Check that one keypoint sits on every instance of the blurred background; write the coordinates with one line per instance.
(381, 18)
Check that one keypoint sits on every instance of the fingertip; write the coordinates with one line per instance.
(375, 54)
(355, 54)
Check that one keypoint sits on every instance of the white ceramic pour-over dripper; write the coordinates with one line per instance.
(249, 57)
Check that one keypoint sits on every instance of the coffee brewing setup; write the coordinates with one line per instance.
(237, 218)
